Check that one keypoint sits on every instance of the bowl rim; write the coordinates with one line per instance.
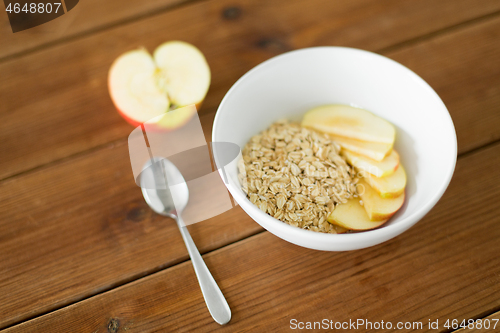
(403, 224)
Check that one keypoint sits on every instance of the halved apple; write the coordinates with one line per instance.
(390, 186)
(375, 150)
(378, 208)
(350, 122)
(351, 215)
(364, 164)
(143, 87)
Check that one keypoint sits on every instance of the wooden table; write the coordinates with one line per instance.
(80, 251)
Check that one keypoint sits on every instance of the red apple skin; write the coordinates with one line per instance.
(129, 120)
(392, 195)
(136, 123)
(121, 113)
(394, 169)
(377, 224)
(384, 217)
(351, 215)
(380, 217)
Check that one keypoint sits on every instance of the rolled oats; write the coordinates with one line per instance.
(296, 175)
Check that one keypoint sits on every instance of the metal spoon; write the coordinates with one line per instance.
(154, 181)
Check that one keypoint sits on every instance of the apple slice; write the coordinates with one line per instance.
(390, 186)
(374, 150)
(339, 230)
(351, 215)
(350, 122)
(383, 168)
(143, 87)
(377, 208)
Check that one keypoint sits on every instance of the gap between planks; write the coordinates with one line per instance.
(135, 279)
(489, 313)
(117, 142)
(393, 48)
(447, 30)
(493, 314)
(218, 95)
(159, 11)
(104, 27)
(121, 141)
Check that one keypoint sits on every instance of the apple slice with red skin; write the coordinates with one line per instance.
(352, 215)
(375, 150)
(376, 207)
(390, 186)
(364, 164)
(339, 230)
(350, 122)
(143, 87)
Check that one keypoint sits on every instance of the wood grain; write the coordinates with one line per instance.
(447, 266)
(55, 102)
(87, 16)
(492, 322)
(462, 69)
(94, 15)
(77, 228)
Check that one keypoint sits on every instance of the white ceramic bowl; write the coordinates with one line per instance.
(292, 83)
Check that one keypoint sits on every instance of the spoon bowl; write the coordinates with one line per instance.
(167, 193)
(164, 188)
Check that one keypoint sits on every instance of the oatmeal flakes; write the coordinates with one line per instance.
(296, 175)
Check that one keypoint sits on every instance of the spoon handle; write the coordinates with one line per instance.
(216, 303)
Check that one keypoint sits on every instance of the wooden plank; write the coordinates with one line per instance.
(59, 210)
(80, 227)
(87, 16)
(55, 102)
(445, 267)
(490, 323)
(462, 69)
